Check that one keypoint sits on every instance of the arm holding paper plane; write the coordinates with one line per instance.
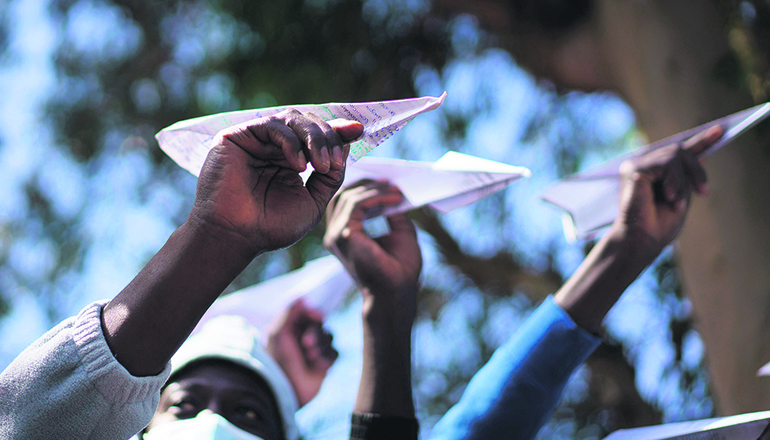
(250, 200)
(521, 384)
(387, 270)
(107, 365)
(590, 198)
(654, 198)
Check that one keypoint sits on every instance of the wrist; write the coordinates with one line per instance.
(389, 315)
(631, 245)
(221, 241)
(611, 266)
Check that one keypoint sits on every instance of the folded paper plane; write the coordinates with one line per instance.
(764, 371)
(188, 142)
(322, 284)
(453, 181)
(751, 426)
(590, 198)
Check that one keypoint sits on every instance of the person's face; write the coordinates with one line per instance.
(224, 388)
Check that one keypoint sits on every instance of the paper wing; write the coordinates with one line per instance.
(590, 198)
(764, 371)
(322, 283)
(188, 142)
(453, 181)
(740, 427)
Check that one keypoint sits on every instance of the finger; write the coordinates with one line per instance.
(694, 172)
(330, 354)
(348, 130)
(343, 204)
(252, 135)
(333, 143)
(400, 224)
(674, 181)
(377, 204)
(357, 200)
(313, 138)
(345, 220)
(401, 242)
(323, 187)
(702, 141)
(366, 203)
(652, 164)
(316, 343)
(328, 351)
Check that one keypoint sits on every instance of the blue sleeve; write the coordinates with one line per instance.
(513, 395)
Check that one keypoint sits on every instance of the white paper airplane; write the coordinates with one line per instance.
(454, 181)
(764, 371)
(188, 142)
(590, 198)
(322, 284)
(740, 427)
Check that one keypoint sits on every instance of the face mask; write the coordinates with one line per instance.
(205, 426)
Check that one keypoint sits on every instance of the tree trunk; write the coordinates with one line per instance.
(663, 58)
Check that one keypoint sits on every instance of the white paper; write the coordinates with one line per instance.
(322, 284)
(740, 427)
(454, 181)
(764, 371)
(188, 142)
(590, 198)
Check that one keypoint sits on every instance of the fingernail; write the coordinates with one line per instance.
(302, 161)
(325, 157)
(337, 156)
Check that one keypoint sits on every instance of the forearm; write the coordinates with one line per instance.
(517, 390)
(386, 377)
(147, 322)
(67, 384)
(611, 266)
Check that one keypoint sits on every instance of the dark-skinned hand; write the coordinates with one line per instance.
(249, 191)
(386, 267)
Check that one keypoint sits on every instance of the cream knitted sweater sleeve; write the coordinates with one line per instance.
(68, 385)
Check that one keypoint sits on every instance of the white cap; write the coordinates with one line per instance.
(232, 338)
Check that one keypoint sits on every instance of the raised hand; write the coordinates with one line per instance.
(387, 266)
(249, 191)
(656, 189)
(250, 200)
(654, 197)
(303, 349)
(387, 270)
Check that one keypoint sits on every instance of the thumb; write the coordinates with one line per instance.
(322, 187)
(348, 130)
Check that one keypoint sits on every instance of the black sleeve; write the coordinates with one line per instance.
(380, 427)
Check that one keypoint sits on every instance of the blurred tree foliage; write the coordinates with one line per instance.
(158, 62)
